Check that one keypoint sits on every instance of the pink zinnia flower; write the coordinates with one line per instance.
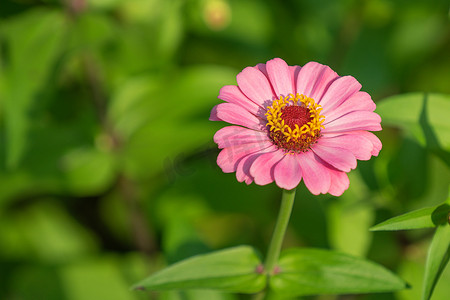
(294, 122)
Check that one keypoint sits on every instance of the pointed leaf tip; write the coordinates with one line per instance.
(428, 217)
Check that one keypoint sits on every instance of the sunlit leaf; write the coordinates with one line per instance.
(87, 171)
(232, 270)
(437, 259)
(132, 106)
(35, 41)
(422, 115)
(422, 218)
(93, 279)
(411, 268)
(317, 271)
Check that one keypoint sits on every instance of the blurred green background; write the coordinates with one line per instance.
(107, 164)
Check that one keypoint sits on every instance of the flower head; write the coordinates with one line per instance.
(292, 122)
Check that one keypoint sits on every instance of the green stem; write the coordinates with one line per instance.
(284, 214)
(287, 202)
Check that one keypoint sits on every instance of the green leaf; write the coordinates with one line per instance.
(424, 116)
(317, 271)
(422, 218)
(87, 171)
(38, 34)
(54, 240)
(231, 270)
(438, 257)
(182, 120)
(196, 295)
(92, 279)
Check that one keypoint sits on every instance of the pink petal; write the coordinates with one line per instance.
(243, 168)
(235, 114)
(360, 146)
(358, 101)
(280, 77)
(375, 142)
(295, 70)
(236, 135)
(263, 69)
(263, 167)
(339, 91)
(339, 182)
(314, 79)
(255, 85)
(373, 139)
(287, 172)
(356, 120)
(229, 158)
(315, 174)
(341, 159)
(213, 115)
(232, 94)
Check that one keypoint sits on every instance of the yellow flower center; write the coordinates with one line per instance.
(294, 122)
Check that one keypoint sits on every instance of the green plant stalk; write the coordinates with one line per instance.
(287, 202)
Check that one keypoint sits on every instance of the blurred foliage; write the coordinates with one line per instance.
(107, 165)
